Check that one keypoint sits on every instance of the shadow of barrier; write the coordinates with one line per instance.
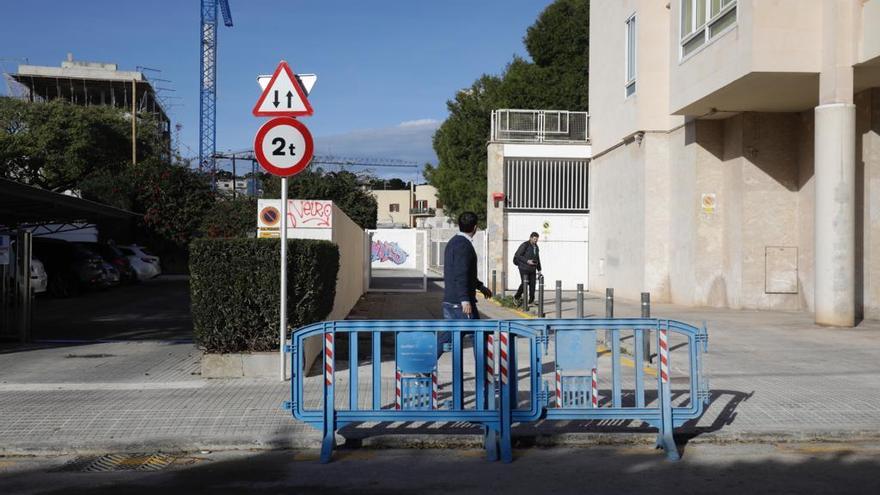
(484, 391)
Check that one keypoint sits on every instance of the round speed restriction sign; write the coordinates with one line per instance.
(284, 146)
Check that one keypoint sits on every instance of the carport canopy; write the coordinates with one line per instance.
(21, 204)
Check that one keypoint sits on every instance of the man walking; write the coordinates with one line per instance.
(460, 273)
(528, 260)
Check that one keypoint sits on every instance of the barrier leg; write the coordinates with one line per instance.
(665, 438)
(490, 443)
(506, 399)
(329, 426)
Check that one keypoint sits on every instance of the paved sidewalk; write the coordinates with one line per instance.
(773, 375)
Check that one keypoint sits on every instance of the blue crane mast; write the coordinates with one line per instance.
(208, 89)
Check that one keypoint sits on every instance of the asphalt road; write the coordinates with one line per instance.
(717, 469)
(157, 309)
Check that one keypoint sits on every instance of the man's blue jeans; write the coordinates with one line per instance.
(452, 311)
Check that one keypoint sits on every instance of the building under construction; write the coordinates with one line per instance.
(93, 83)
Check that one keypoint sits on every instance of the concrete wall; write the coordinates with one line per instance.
(349, 236)
(495, 220)
(868, 203)
(617, 221)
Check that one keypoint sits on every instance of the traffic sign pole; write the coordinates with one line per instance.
(283, 147)
(282, 340)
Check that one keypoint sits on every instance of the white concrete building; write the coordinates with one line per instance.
(537, 179)
(736, 153)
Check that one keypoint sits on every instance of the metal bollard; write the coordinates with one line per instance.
(646, 313)
(559, 299)
(609, 310)
(541, 296)
(580, 300)
(493, 282)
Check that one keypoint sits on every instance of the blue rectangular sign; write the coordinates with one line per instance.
(576, 350)
(416, 352)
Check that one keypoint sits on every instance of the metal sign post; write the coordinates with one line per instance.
(283, 147)
(282, 313)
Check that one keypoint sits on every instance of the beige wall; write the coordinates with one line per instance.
(349, 236)
(385, 198)
(426, 192)
(648, 107)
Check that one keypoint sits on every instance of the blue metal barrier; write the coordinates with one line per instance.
(578, 338)
(496, 394)
(495, 407)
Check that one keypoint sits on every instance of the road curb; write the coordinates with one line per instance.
(521, 439)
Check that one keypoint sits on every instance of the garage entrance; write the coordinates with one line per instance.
(548, 196)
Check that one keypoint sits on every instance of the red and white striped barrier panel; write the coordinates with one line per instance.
(664, 356)
(504, 357)
(397, 392)
(490, 358)
(594, 388)
(328, 359)
(435, 387)
(558, 388)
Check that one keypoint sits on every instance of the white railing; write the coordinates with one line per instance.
(540, 126)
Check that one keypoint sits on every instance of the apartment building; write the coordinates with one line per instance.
(736, 153)
(405, 208)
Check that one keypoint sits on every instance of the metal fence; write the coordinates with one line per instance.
(540, 126)
(506, 373)
(546, 184)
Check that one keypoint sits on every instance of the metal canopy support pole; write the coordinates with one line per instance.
(133, 123)
(282, 331)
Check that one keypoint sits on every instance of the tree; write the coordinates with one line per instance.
(555, 79)
(172, 199)
(230, 218)
(56, 145)
(460, 144)
(343, 188)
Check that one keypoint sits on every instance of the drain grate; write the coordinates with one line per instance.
(120, 462)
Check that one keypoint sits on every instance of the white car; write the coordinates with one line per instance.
(39, 278)
(144, 263)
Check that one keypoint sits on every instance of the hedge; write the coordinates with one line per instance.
(234, 288)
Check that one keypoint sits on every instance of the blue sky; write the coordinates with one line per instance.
(385, 67)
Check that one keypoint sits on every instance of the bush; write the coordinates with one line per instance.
(235, 290)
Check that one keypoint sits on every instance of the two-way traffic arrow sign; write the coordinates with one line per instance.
(283, 96)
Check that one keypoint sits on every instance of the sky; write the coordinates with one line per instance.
(385, 67)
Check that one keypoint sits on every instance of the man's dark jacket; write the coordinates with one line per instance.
(460, 271)
(526, 252)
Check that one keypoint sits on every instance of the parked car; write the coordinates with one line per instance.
(115, 257)
(144, 263)
(111, 276)
(70, 267)
(39, 279)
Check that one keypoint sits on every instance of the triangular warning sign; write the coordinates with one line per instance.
(283, 96)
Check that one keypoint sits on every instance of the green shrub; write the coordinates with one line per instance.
(234, 284)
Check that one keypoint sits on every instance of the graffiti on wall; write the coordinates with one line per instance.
(382, 251)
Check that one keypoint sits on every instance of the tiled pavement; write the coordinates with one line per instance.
(772, 374)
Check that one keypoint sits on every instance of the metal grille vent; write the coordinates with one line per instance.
(546, 184)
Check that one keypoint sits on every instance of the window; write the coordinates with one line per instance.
(394, 207)
(703, 20)
(630, 56)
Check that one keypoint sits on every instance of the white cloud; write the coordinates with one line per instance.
(433, 123)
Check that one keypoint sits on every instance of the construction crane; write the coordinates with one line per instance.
(208, 89)
(364, 164)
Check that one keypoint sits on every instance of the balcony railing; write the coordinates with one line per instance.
(540, 126)
(422, 211)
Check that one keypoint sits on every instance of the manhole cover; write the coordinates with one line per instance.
(120, 462)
